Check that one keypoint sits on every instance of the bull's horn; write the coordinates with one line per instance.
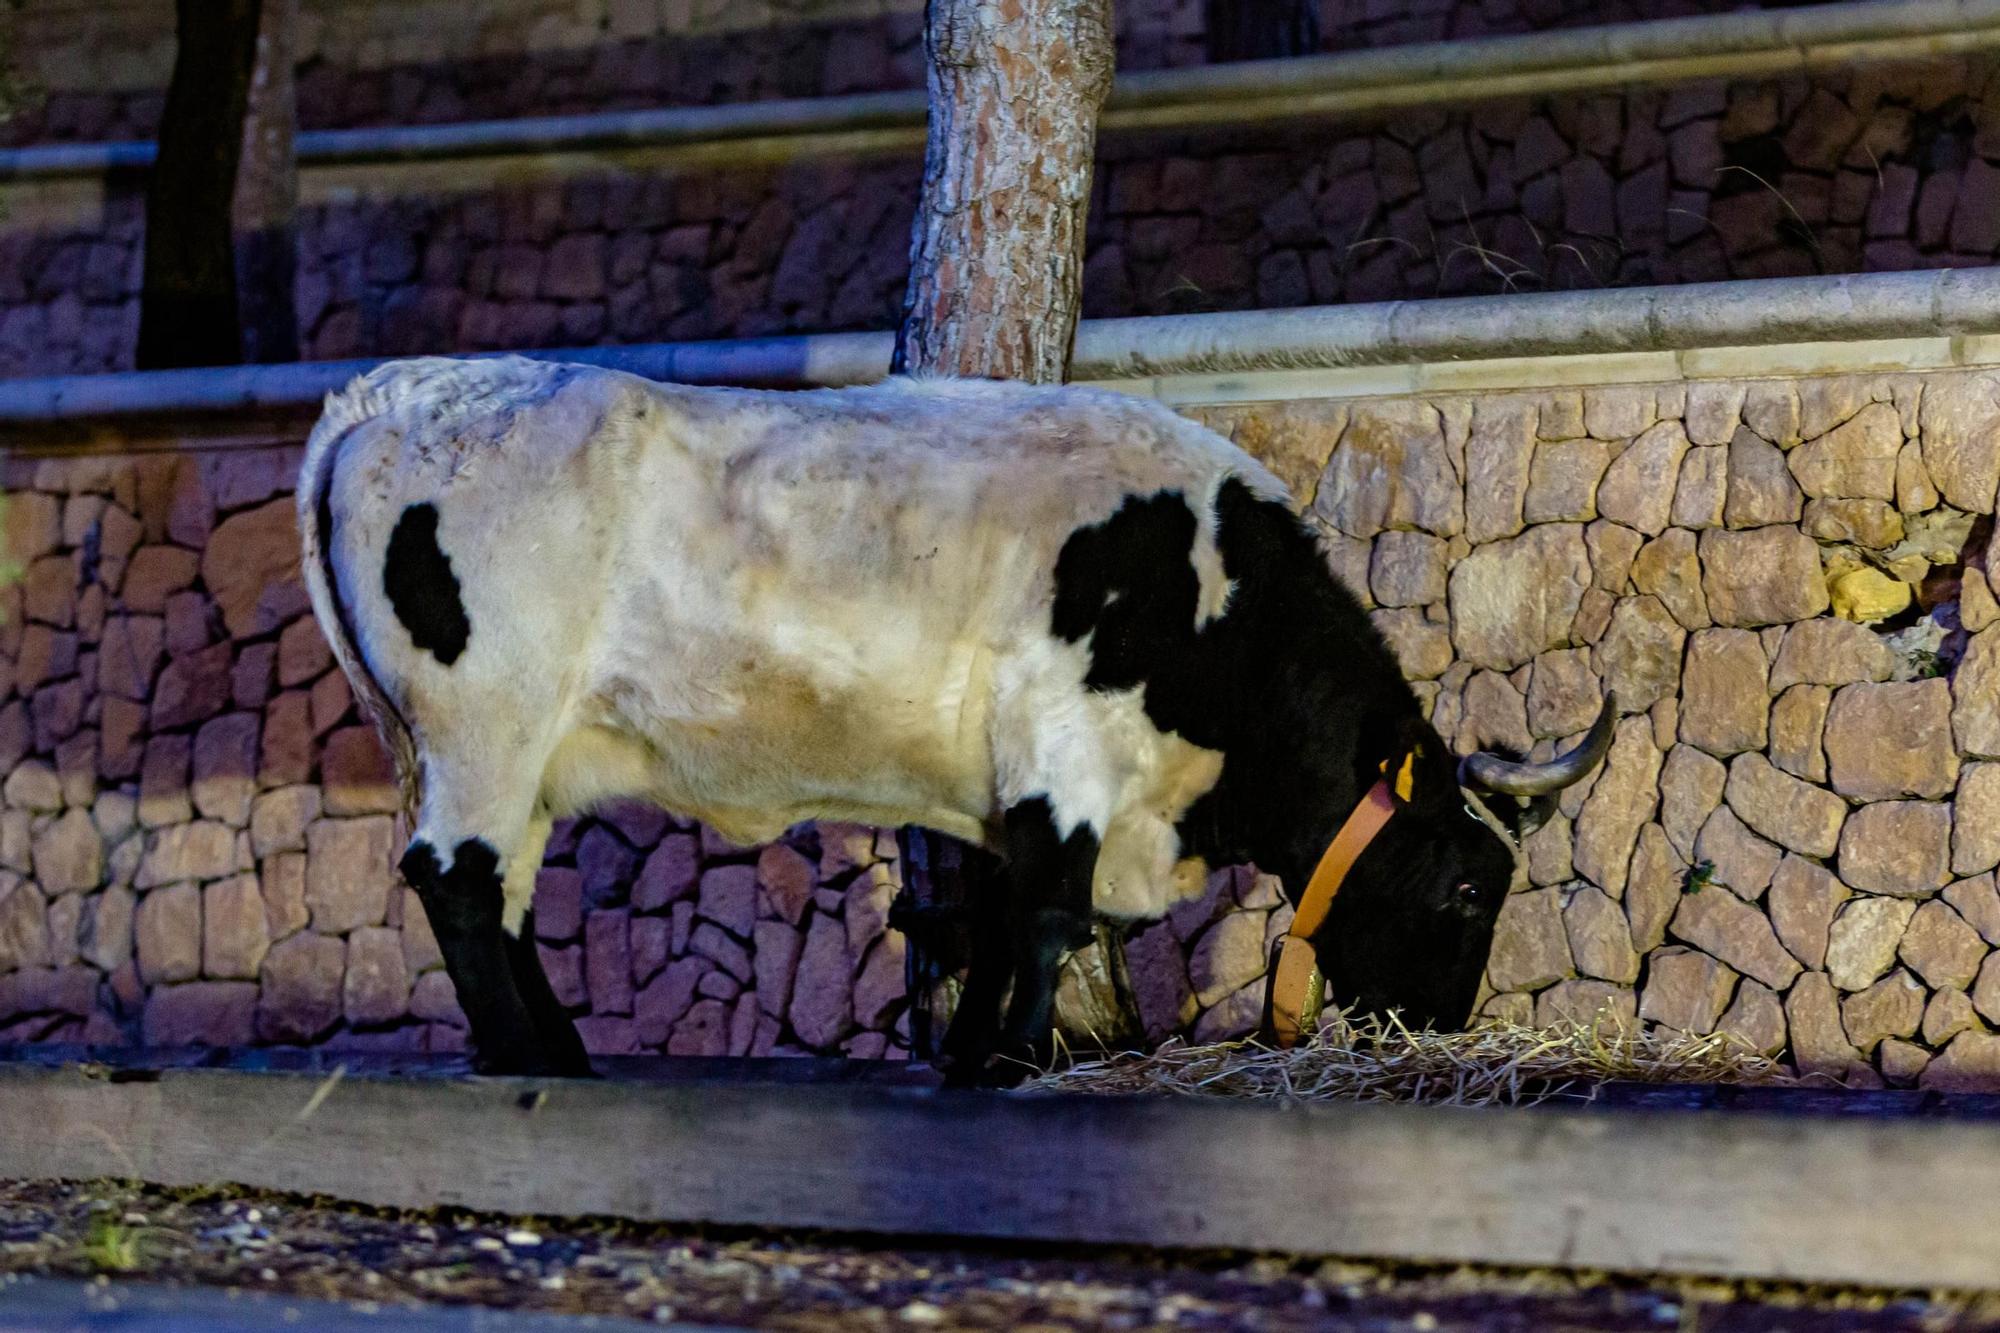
(1489, 772)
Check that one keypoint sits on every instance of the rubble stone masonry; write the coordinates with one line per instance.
(1793, 839)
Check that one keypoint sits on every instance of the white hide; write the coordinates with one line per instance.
(757, 608)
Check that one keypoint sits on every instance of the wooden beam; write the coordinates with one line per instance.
(1908, 1201)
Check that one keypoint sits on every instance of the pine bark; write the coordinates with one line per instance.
(267, 193)
(1262, 29)
(996, 272)
(187, 310)
(996, 255)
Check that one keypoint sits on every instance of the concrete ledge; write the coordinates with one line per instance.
(1738, 45)
(1932, 319)
(1818, 1198)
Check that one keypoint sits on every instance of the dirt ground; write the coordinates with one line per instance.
(317, 1248)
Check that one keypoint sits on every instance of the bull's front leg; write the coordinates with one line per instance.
(1049, 916)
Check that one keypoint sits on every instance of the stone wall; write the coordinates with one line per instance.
(1793, 839)
(1876, 169)
(102, 68)
(1794, 835)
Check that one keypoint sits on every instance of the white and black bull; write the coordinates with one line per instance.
(1068, 626)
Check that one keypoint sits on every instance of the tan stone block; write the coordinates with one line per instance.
(1725, 927)
(1766, 576)
(1638, 487)
(1600, 939)
(1761, 489)
(1864, 939)
(1653, 888)
(1798, 722)
(301, 997)
(1872, 524)
(1513, 599)
(1975, 833)
(1725, 692)
(1714, 409)
(1941, 948)
(1949, 1013)
(1914, 491)
(1985, 992)
(1892, 1007)
(1804, 898)
(24, 925)
(1975, 900)
(1670, 569)
(1597, 1005)
(1970, 1064)
(1564, 694)
(1855, 460)
(225, 768)
(200, 850)
(1498, 455)
(1619, 411)
(1562, 482)
(1903, 1062)
(1422, 648)
(1703, 489)
(1891, 740)
(235, 933)
(1685, 990)
(1960, 436)
(68, 854)
(1739, 859)
(1530, 946)
(1830, 652)
(1819, 1040)
(1897, 847)
(1756, 1019)
(349, 872)
(167, 928)
(1691, 787)
(1622, 799)
(375, 988)
(1796, 814)
(1612, 547)
(358, 777)
(1391, 470)
(1639, 654)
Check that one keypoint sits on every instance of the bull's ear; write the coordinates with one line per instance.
(1420, 769)
(1523, 814)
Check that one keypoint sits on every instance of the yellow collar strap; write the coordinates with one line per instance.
(1297, 987)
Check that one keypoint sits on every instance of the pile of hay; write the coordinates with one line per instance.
(1368, 1060)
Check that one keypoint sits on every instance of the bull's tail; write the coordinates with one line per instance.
(315, 501)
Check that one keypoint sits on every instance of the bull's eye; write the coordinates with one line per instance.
(1471, 894)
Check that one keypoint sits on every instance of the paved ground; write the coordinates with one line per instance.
(175, 1261)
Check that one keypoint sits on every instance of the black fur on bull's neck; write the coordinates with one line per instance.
(1292, 683)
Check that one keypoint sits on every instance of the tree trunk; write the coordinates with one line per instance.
(996, 270)
(187, 310)
(267, 194)
(996, 256)
(1262, 29)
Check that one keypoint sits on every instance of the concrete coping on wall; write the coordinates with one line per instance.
(1735, 45)
(1863, 322)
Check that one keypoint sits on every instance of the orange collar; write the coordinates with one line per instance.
(1297, 988)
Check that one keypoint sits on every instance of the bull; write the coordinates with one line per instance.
(1067, 626)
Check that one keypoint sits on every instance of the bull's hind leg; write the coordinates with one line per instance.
(477, 825)
(557, 1033)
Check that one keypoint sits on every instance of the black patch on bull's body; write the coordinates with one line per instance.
(417, 577)
(1296, 688)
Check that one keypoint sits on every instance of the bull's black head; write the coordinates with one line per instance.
(1411, 928)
